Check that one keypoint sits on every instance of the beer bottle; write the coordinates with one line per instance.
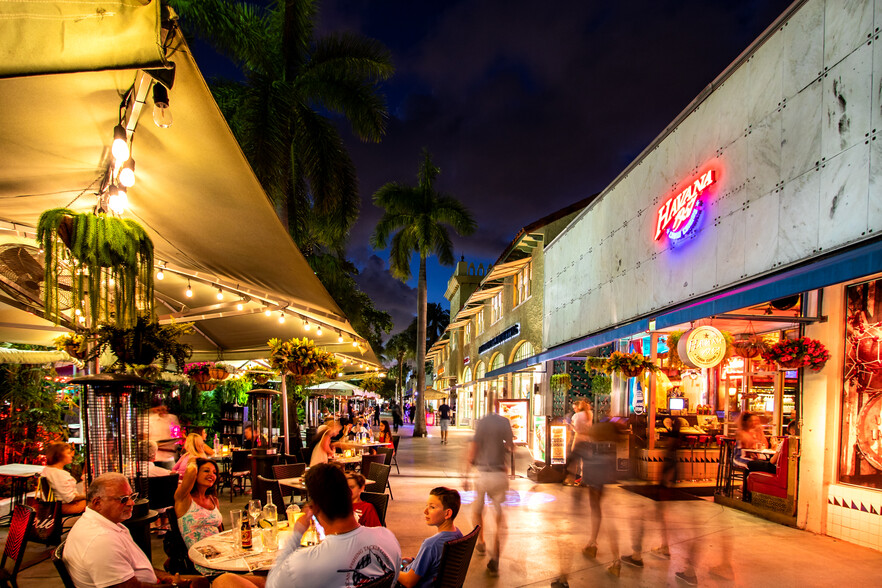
(246, 533)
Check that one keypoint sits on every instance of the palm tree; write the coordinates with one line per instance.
(278, 113)
(419, 218)
(437, 319)
(401, 347)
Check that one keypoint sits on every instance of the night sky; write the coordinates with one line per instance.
(526, 107)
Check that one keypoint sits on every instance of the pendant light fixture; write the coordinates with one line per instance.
(162, 115)
(189, 290)
(127, 173)
(120, 146)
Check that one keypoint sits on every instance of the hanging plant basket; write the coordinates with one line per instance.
(199, 378)
(561, 382)
(748, 347)
(629, 365)
(216, 373)
(206, 386)
(107, 260)
(259, 378)
(798, 353)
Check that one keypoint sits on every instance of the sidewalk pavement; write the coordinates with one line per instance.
(547, 526)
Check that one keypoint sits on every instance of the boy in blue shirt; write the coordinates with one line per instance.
(441, 509)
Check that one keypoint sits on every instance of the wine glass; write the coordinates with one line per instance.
(254, 510)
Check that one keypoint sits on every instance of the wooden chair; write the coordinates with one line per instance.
(367, 460)
(388, 453)
(381, 582)
(61, 567)
(395, 440)
(240, 471)
(16, 541)
(379, 473)
(271, 485)
(380, 503)
(455, 559)
(291, 470)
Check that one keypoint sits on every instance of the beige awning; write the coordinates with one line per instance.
(483, 294)
(211, 223)
(457, 324)
(503, 270)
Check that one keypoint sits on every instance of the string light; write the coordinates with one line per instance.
(305, 325)
(281, 317)
(127, 173)
(220, 294)
(240, 306)
(354, 343)
(339, 336)
(189, 290)
(318, 331)
(160, 275)
(120, 146)
(268, 312)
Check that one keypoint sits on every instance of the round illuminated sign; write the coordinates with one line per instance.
(702, 347)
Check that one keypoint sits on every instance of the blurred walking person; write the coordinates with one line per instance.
(488, 454)
(599, 470)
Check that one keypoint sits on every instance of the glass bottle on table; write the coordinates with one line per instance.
(268, 524)
(245, 534)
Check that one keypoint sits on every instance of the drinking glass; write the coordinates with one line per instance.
(236, 527)
(253, 511)
(270, 535)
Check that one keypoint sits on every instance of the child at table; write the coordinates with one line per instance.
(440, 512)
(365, 513)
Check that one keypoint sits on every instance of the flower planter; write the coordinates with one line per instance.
(792, 364)
(206, 386)
(298, 369)
(74, 351)
(199, 378)
(260, 379)
(217, 374)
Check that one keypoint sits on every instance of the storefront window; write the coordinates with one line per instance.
(523, 381)
(860, 451)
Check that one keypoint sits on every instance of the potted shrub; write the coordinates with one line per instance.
(629, 365)
(75, 344)
(797, 353)
(198, 372)
(96, 250)
(145, 343)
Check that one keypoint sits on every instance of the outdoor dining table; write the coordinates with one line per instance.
(358, 444)
(219, 552)
(20, 473)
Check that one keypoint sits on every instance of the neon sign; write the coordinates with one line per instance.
(679, 213)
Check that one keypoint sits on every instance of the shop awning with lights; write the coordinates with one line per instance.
(214, 230)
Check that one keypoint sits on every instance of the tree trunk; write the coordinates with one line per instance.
(419, 422)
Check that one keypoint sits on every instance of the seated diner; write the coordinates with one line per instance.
(62, 485)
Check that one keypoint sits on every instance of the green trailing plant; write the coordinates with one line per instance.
(233, 390)
(561, 382)
(109, 260)
(145, 343)
(601, 384)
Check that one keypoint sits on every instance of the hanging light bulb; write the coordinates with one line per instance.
(281, 317)
(160, 275)
(268, 312)
(339, 336)
(189, 290)
(127, 173)
(305, 325)
(318, 331)
(162, 115)
(240, 306)
(354, 343)
(78, 312)
(120, 147)
(340, 374)
(220, 294)
(111, 281)
(117, 200)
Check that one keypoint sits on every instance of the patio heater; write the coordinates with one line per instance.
(115, 408)
(260, 402)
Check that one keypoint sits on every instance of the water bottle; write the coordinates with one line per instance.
(217, 445)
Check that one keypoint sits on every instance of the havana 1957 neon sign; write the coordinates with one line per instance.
(679, 213)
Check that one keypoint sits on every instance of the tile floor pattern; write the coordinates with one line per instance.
(547, 525)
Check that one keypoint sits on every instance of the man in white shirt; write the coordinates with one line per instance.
(350, 553)
(99, 551)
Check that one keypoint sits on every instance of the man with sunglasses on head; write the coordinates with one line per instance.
(99, 551)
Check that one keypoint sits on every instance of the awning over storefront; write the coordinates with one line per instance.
(504, 270)
(851, 264)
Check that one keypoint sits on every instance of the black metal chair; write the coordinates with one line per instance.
(367, 460)
(379, 473)
(395, 440)
(161, 491)
(61, 567)
(16, 541)
(455, 559)
(296, 456)
(175, 548)
(384, 581)
(265, 485)
(380, 503)
(291, 470)
(240, 471)
(388, 453)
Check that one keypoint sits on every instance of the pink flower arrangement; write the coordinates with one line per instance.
(796, 353)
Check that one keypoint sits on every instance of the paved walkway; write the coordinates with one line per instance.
(547, 525)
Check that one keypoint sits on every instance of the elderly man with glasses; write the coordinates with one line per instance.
(99, 551)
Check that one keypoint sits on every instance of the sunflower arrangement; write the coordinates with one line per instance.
(797, 353)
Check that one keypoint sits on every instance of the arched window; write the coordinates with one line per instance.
(467, 375)
(497, 362)
(523, 351)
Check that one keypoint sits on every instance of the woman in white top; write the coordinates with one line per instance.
(62, 484)
(324, 450)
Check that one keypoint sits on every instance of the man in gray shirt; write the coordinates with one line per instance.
(488, 453)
